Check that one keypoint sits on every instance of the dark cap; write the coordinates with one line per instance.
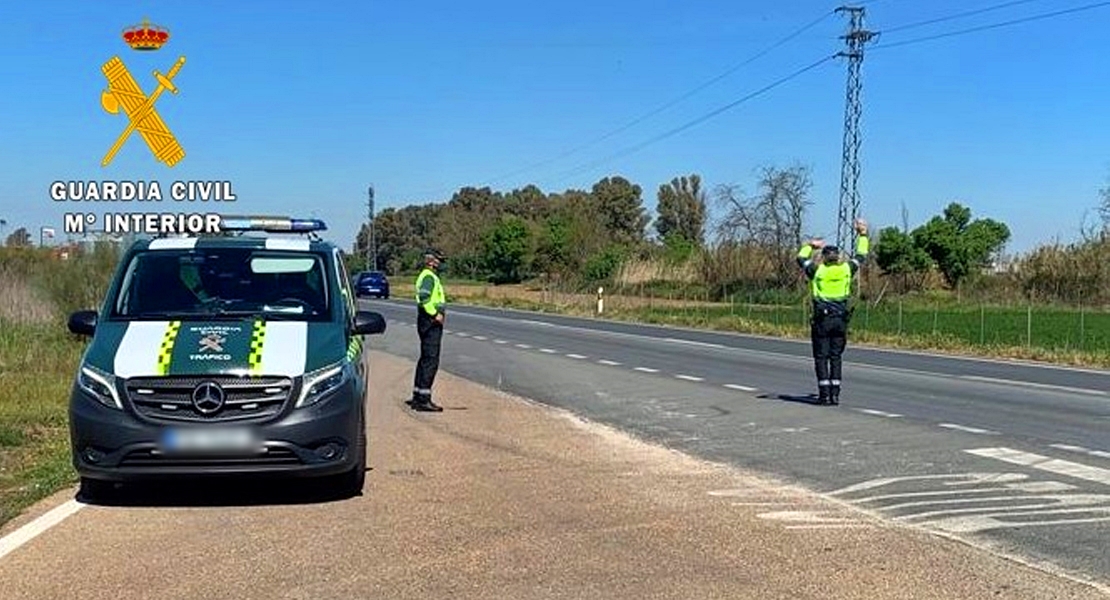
(830, 250)
(430, 254)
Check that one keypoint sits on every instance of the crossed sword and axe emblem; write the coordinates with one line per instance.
(124, 92)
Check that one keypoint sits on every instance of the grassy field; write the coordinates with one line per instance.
(38, 359)
(1061, 336)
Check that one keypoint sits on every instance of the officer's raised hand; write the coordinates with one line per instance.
(817, 243)
(861, 227)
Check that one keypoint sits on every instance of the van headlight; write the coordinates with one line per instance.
(99, 385)
(318, 384)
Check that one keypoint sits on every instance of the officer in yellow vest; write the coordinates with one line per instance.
(430, 311)
(831, 286)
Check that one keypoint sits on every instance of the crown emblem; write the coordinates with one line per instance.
(146, 36)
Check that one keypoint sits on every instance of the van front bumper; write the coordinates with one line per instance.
(117, 445)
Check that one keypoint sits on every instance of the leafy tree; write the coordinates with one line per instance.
(19, 238)
(507, 249)
(897, 255)
(682, 210)
(959, 246)
(621, 210)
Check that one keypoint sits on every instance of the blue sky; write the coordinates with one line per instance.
(302, 105)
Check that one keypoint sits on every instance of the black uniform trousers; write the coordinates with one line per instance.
(829, 333)
(431, 334)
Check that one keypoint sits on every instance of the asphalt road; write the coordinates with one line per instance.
(497, 497)
(1003, 454)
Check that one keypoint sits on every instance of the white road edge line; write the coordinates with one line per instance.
(31, 530)
(689, 377)
(1044, 463)
(611, 363)
(547, 351)
(576, 356)
(647, 370)
(966, 429)
(1042, 386)
(800, 342)
(523, 346)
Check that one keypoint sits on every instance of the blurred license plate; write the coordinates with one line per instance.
(209, 439)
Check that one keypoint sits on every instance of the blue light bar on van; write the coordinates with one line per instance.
(271, 224)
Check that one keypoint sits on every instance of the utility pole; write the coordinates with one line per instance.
(855, 39)
(371, 247)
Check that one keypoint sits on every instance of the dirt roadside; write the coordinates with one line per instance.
(498, 497)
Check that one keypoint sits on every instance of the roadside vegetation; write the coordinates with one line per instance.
(724, 259)
(38, 358)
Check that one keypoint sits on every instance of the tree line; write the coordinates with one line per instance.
(581, 237)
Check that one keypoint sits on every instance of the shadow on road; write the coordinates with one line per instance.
(215, 492)
(802, 399)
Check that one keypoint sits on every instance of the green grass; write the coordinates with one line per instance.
(37, 364)
(38, 359)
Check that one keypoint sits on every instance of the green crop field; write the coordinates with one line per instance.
(1043, 328)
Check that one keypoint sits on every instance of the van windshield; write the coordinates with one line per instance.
(224, 282)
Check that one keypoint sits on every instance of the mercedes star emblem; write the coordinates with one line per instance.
(208, 397)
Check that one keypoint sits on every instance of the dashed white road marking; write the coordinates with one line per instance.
(689, 377)
(523, 346)
(500, 342)
(1081, 450)
(878, 413)
(463, 334)
(647, 370)
(576, 356)
(1043, 386)
(481, 337)
(966, 429)
(31, 530)
(547, 351)
(742, 388)
(611, 363)
(1044, 463)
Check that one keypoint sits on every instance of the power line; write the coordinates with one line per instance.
(1028, 19)
(670, 103)
(961, 15)
(692, 123)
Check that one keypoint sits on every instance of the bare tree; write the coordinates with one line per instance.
(773, 218)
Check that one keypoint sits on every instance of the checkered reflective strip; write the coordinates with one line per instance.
(165, 351)
(354, 348)
(258, 339)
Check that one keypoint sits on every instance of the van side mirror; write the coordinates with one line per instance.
(83, 322)
(369, 323)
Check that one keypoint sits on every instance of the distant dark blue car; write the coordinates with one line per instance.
(372, 284)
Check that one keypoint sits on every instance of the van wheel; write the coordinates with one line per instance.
(96, 489)
(350, 484)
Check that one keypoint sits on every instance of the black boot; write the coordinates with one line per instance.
(425, 405)
(822, 394)
(834, 395)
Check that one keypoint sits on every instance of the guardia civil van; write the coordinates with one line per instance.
(234, 354)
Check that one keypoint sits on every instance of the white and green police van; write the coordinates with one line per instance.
(228, 355)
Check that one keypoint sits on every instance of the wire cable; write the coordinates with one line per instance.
(1027, 19)
(669, 104)
(961, 15)
(692, 123)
